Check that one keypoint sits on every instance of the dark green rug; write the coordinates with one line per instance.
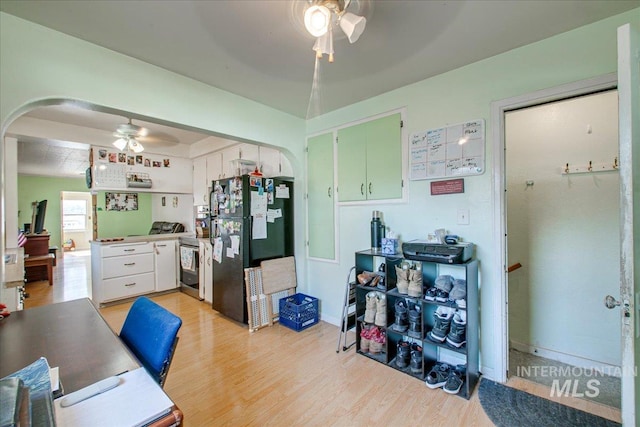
(506, 406)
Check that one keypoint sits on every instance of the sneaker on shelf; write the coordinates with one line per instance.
(415, 321)
(441, 296)
(430, 295)
(457, 332)
(461, 303)
(416, 358)
(459, 290)
(438, 375)
(444, 282)
(440, 329)
(455, 380)
(401, 323)
(404, 354)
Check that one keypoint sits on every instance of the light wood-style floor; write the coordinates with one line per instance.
(222, 375)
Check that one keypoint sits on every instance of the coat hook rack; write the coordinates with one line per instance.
(591, 167)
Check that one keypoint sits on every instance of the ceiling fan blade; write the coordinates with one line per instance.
(159, 139)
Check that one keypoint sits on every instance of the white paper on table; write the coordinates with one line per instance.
(235, 244)
(282, 191)
(136, 401)
(259, 230)
(217, 249)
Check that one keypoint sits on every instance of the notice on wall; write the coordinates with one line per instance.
(451, 151)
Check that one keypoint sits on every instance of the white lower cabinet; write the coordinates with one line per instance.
(166, 265)
(123, 270)
(206, 271)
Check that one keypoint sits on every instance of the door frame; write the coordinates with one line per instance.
(498, 110)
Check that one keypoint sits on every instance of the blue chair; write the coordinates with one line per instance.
(150, 331)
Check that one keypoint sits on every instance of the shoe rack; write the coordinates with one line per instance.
(432, 352)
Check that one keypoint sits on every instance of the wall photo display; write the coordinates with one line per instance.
(121, 201)
(451, 151)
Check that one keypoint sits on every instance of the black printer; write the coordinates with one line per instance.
(420, 250)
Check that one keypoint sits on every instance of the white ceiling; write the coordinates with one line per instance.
(259, 49)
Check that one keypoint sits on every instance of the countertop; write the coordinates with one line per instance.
(141, 239)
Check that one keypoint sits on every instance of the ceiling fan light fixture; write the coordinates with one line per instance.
(352, 25)
(316, 20)
(135, 146)
(120, 143)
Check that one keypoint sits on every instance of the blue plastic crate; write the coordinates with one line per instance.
(299, 311)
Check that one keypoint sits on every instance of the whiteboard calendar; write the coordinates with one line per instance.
(451, 151)
(110, 175)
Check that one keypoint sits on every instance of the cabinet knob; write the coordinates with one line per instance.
(362, 188)
(329, 192)
(369, 188)
(130, 264)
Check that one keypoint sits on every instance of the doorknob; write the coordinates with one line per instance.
(610, 302)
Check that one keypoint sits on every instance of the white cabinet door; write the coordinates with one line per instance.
(228, 156)
(285, 166)
(250, 152)
(200, 193)
(269, 161)
(166, 265)
(201, 272)
(207, 266)
(214, 168)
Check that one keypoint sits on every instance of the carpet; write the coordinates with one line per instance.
(506, 406)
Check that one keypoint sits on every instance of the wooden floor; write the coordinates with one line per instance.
(222, 375)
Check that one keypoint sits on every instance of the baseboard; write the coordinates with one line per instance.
(569, 359)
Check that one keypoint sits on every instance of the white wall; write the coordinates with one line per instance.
(564, 229)
(177, 208)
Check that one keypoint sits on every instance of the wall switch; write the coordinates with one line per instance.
(463, 216)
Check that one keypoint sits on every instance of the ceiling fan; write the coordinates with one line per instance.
(131, 136)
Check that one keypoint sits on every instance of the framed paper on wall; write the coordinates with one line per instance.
(121, 201)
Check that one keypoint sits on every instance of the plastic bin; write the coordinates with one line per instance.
(299, 311)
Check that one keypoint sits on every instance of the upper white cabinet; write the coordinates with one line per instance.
(200, 191)
(214, 167)
(274, 163)
(238, 152)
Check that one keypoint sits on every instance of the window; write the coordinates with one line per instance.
(74, 215)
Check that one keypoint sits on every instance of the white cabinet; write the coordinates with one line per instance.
(206, 271)
(214, 167)
(127, 269)
(200, 192)
(269, 161)
(166, 265)
(238, 152)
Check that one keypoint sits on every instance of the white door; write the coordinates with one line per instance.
(76, 219)
(629, 131)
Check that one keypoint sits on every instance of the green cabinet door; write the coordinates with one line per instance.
(352, 163)
(384, 158)
(320, 200)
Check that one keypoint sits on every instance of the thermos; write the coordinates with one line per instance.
(377, 231)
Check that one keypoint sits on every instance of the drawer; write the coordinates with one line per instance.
(128, 249)
(127, 265)
(123, 287)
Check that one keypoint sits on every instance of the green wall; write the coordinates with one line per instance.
(110, 223)
(32, 188)
(124, 223)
